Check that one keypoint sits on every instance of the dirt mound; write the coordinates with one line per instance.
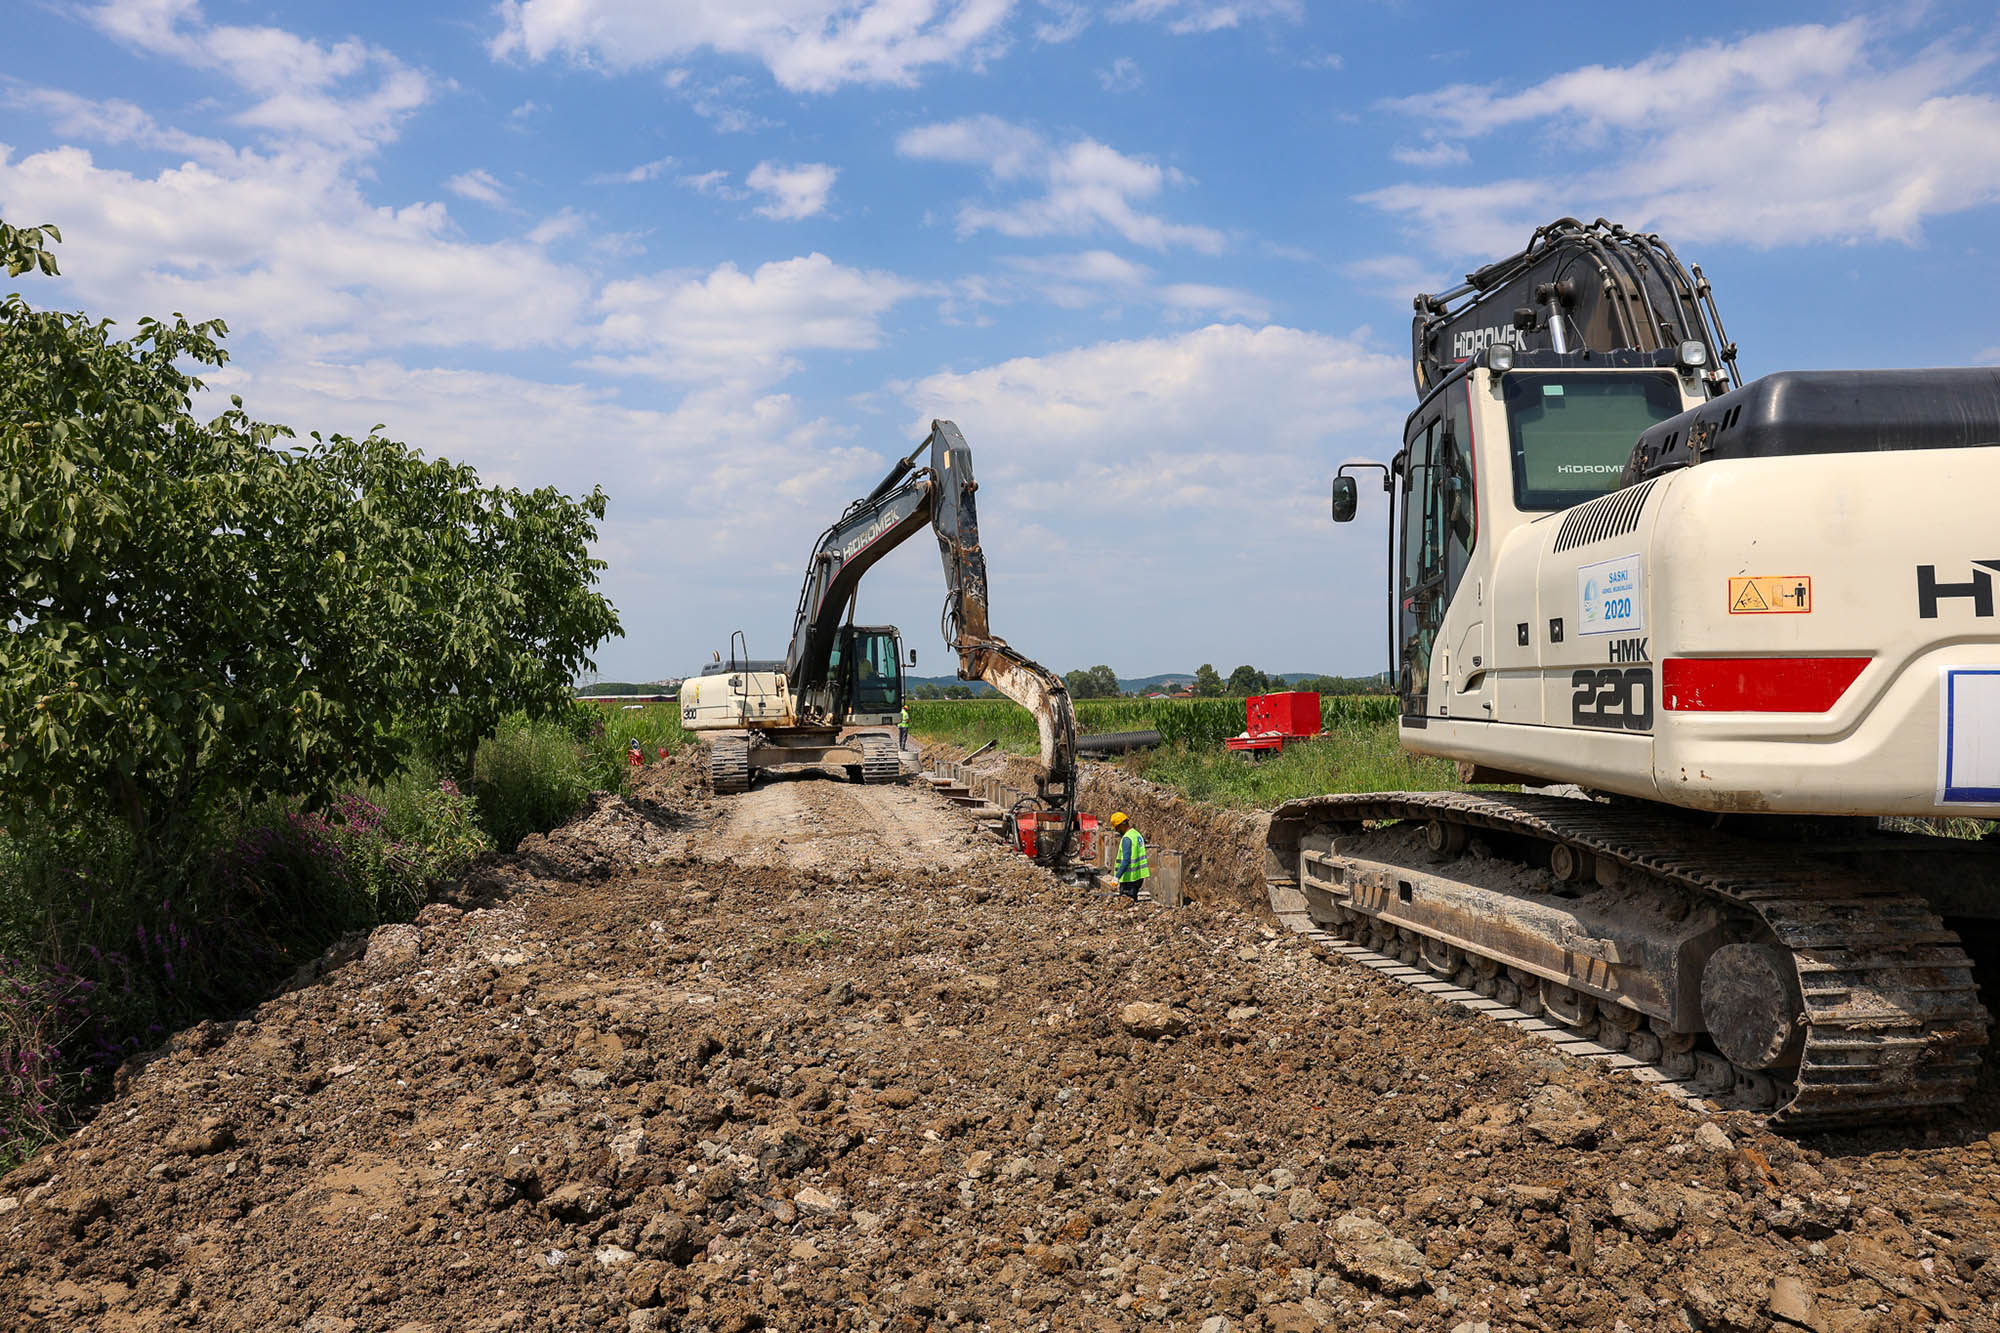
(855, 1066)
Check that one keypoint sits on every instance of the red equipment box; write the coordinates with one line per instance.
(1276, 718)
(1290, 715)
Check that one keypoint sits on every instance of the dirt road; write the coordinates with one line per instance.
(821, 1056)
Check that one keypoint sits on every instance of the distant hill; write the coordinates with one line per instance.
(1170, 683)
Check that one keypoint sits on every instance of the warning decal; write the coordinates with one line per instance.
(1771, 594)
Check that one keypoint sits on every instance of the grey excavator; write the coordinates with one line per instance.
(835, 696)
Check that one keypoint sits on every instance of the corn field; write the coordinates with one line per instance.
(1188, 721)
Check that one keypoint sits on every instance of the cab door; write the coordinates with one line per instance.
(1440, 530)
(1420, 577)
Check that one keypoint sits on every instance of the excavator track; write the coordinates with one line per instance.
(729, 765)
(879, 759)
(1890, 1016)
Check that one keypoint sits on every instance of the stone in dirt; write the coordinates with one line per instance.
(1713, 1137)
(816, 1202)
(1369, 1253)
(1792, 1301)
(1151, 1021)
(209, 1135)
(393, 948)
(1562, 1117)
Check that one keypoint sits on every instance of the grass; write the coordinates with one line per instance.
(1358, 751)
(1351, 756)
(533, 775)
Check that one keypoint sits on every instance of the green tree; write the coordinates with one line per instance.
(1208, 683)
(200, 611)
(1248, 680)
(1099, 682)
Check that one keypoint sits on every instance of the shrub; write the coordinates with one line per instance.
(102, 953)
(531, 777)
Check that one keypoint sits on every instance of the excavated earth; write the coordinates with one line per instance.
(826, 1057)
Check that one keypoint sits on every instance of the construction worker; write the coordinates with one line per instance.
(1131, 869)
(903, 727)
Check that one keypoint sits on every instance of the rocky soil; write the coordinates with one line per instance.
(822, 1056)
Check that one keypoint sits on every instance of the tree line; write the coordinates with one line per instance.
(1101, 682)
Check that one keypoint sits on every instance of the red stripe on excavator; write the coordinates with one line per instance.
(1756, 684)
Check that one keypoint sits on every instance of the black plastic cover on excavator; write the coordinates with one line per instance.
(1827, 412)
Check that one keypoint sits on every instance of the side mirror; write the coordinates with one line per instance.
(913, 657)
(1345, 499)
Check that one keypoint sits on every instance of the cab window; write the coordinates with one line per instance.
(878, 682)
(1570, 433)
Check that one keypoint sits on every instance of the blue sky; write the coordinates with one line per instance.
(728, 257)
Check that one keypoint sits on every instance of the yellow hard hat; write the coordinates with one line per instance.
(1119, 818)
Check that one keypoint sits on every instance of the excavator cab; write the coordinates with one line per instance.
(868, 659)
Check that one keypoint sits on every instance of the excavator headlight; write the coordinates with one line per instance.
(1694, 354)
(1500, 358)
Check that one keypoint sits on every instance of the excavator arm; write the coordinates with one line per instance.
(940, 494)
(982, 655)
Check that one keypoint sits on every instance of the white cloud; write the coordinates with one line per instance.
(1096, 278)
(639, 175)
(1088, 187)
(1397, 278)
(288, 247)
(714, 183)
(792, 193)
(1197, 16)
(1793, 135)
(742, 327)
(346, 97)
(1068, 20)
(282, 239)
(1146, 465)
(811, 46)
(1434, 153)
(720, 102)
(113, 121)
(478, 184)
(1121, 76)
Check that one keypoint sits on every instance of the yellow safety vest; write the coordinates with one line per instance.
(1132, 858)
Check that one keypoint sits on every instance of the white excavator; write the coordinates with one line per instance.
(1749, 622)
(835, 697)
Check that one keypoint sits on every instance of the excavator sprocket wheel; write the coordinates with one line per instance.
(1750, 1001)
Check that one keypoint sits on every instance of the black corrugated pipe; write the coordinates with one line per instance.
(1117, 742)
